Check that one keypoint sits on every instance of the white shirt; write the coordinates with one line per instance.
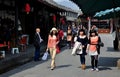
(40, 37)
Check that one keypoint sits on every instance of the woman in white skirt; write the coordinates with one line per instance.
(92, 49)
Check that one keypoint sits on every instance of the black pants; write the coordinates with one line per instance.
(82, 59)
(60, 43)
(94, 61)
(69, 43)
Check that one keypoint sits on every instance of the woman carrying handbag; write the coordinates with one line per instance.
(82, 38)
(52, 46)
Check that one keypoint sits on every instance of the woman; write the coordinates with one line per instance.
(69, 36)
(92, 49)
(52, 44)
(82, 38)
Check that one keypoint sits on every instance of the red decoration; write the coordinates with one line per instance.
(27, 8)
(62, 20)
(54, 18)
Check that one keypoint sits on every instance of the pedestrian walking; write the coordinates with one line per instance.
(69, 36)
(52, 45)
(37, 44)
(92, 49)
(94, 27)
(61, 37)
(82, 38)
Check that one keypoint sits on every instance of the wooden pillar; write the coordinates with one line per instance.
(16, 21)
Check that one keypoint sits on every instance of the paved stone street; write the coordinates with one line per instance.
(67, 65)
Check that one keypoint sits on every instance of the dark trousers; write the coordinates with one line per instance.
(69, 43)
(37, 54)
(82, 59)
(94, 61)
(60, 43)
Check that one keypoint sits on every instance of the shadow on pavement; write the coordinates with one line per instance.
(111, 49)
(88, 67)
(104, 68)
(106, 63)
(22, 68)
(30, 65)
(62, 66)
(100, 68)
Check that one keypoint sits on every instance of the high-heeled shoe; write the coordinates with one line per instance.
(52, 68)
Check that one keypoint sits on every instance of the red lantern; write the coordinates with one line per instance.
(54, 18)
(27, 8)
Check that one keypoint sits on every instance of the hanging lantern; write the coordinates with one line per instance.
(54, 18)
(27, 8)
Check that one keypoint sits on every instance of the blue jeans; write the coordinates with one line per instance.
(82, 59)
(37, 54)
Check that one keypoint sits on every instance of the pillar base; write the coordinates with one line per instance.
(118, 63)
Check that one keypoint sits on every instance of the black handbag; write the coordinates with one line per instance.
(101, 44)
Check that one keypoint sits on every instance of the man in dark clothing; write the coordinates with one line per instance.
(37, 44)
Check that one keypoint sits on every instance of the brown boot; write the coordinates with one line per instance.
(83, 66)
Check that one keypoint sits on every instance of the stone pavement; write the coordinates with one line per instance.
(67, 65)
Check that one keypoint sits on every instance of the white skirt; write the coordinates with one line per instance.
(92, 53)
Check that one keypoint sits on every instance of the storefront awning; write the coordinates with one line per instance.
(90, 7)
(109, 13)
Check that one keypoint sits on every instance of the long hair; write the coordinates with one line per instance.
(51, 33)
(81, 30)
(93, 31)
(69, 27)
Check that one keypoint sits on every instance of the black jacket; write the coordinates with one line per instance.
(37, 41)
(84, 42)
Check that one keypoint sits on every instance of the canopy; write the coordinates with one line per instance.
(109, 13)
(90, 7)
